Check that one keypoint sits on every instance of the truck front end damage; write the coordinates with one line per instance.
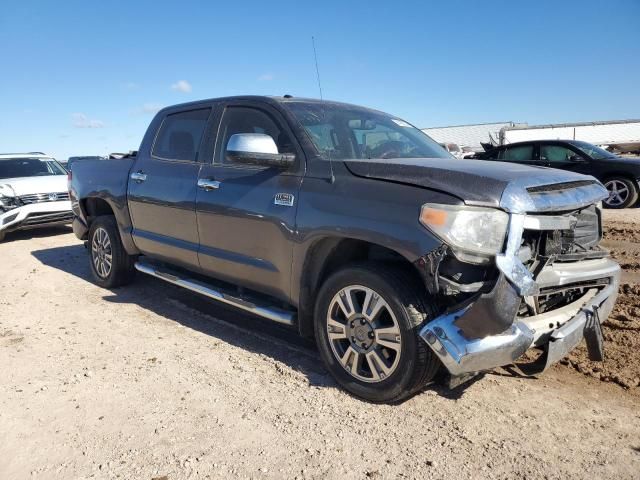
(549, 287)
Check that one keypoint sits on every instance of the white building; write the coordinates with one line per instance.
(470, 135)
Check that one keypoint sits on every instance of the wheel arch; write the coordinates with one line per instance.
(327, 255)
(95, 206)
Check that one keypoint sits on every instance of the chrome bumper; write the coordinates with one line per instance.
(559, 330)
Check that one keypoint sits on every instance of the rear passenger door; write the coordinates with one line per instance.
(248, 220)
(525, 154)
(162, 189)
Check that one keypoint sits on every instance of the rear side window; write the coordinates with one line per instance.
(180, 135)
(517, 154)
(556, 153)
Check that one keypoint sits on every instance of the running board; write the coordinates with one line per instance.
(266, 311)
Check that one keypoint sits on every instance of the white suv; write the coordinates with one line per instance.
(33, 192)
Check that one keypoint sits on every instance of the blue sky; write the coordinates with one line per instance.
(83, 77)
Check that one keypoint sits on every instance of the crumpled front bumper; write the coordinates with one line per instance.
(36, 215)
(487, 333)
(559, 331)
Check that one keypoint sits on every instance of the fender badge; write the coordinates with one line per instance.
(284, 199)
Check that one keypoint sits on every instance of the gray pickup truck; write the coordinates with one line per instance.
(356, 228)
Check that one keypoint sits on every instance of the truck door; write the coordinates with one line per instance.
(246, 213)
(162, 189)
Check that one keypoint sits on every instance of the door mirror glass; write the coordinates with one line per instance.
(257, 149)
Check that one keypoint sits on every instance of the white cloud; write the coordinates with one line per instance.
(150, 108)
(181, 86)
(266, 77)
(80, 120)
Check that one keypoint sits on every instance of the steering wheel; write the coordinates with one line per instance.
(390, 149)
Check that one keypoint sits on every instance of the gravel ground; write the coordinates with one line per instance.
(150, 382)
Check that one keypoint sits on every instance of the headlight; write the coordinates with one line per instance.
(467, 229)
(7, 203)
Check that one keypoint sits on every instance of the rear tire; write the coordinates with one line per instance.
(2, 235)
(623, 193)
(111, 265)
(373, 349)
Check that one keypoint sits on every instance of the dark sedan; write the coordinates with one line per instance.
(619, 174)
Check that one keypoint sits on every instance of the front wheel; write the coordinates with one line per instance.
(111, 265)
(366, 324)
(623, 193)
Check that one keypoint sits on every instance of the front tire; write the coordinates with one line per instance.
(111, 265)
(366, 325)
(623, 193)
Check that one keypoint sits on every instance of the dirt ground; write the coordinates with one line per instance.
(150, 381)
(622, 328)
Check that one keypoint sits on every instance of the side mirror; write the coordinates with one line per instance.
(257, 149)
(576, 158)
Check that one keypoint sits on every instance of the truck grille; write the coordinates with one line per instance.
(584, 235)
(44, 197)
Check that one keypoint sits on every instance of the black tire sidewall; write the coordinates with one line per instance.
(396, 384)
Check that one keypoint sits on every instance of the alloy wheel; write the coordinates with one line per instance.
(101, 252)
(364, 333)
(618, 193)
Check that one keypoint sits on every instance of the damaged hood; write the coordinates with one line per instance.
(511, 186)
(30, 185)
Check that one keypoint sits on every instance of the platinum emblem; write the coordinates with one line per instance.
(284, 199)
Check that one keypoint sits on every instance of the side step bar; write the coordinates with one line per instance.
(266, 311)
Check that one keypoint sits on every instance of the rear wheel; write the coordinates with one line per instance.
(111, 265)
(366, 325)
(623, 193)
(2, 234)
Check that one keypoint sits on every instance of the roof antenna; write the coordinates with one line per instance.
(315, 56)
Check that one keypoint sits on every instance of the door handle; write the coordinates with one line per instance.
(138, 176)
(208, 184)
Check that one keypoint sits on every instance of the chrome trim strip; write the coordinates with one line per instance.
(272, 313)
(548, 222)
(510, 264)
(560, 274)
(516, 198)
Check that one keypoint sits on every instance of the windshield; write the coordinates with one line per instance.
(30, 167)
(592, 151)
(345, 132)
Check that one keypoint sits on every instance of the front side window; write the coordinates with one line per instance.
(341, 132)
(517, 154)
(30, 167)
(556, 154)
(593, 151)
(180, 135)
(251, 120)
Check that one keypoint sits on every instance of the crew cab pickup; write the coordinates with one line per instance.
(356, 228)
